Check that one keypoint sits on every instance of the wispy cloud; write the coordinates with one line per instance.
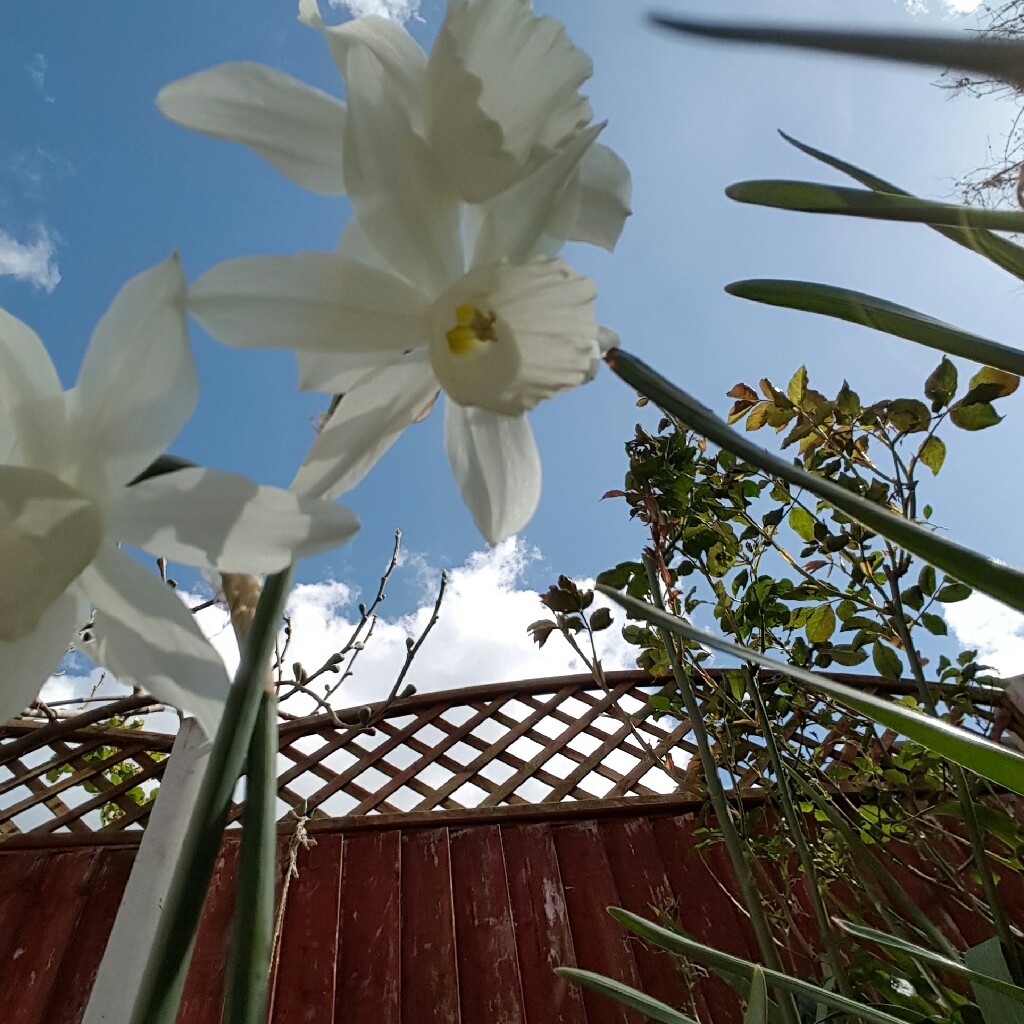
(949, 6)
(36, 69)
(33, 261)
(399, 10)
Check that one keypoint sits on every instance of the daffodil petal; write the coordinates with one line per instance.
(544, 338)
(28, 662)
(315, 301)
(502, 92)
(293, 126)
(208, 518)
(367, 421)
(138, 385)
(398, 193)
(496, 467)
(28, 380)
(596, 208)
(517, 221)
(337, 373)
(49, 533)
(149, 639)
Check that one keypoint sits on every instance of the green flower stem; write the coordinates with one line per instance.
(167, 966)
(963, 792)
(252, 930)
(833, 956)
(741, 865)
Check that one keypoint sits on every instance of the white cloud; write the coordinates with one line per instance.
(949, 6)
(993, 629)
(36, 69)
(480, 637)
(30, 261)
(399, 10)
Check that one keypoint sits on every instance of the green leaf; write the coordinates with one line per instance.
(988, 575)
(821, 624)
(1003, 253)
(726, 964)
(987, 759)
(600, 619)
(999, 1003)
(995, 977)
(757, 1004)
(1001, 382)
(624, 994)
(933, 454)
(886, 661)
(940, 387)
(802, 523)
(881, 315)
(953, 592)
(909, 416)
(976, 416)
(926, 580)
(797, 386)
(935, 624)
(992, 58)
(813, 197)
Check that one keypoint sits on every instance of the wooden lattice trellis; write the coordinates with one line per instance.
(507, 745)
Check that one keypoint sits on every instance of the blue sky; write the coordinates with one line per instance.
(91, 170)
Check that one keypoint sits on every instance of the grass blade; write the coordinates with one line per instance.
(992, 58)
(881, 315)
(624, 994)
(252, 930)
(728, 964)
(980, 755)
(988, 575)
(811, 197)
(1006, 988)
(993, 247)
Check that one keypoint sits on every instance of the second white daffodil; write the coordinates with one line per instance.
(68, 460)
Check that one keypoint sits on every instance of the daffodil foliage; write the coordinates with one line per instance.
(467, 170)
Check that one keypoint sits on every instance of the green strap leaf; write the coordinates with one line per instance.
(988, 575)
(812, 197)
(625, 994)
(727, 964)
(980, 755)
(1000, 251)
(993, 58)
(998, 1000)
(757, 1004)
(1005, 987)
(881, 315)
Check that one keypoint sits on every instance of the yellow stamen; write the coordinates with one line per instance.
(471, 327)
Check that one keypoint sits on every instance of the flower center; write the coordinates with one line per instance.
(472, 328)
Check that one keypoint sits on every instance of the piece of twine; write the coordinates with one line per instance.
(300, 838)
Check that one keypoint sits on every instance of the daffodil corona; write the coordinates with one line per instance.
(67, 501)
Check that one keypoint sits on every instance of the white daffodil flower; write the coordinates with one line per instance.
(66, 460)
(497, 97)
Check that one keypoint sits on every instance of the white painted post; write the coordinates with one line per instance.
(117, 981)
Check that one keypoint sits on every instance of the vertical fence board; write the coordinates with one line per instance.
(45, 928)
(367, 987)
(430, 973)
(704, 910)
(305, 973)
(644, 888)
(601, 944)
(77, 971)
(203, 996)
(541, 922)
(490, 987)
